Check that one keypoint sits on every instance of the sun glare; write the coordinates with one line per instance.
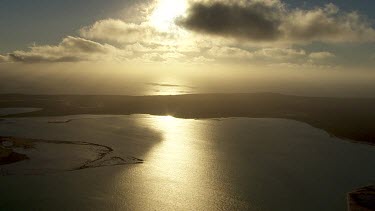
(166, 121)
(166, 12)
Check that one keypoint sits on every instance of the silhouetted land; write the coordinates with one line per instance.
(102, 157)
(348, 118)
(362, 199)
(7, 155)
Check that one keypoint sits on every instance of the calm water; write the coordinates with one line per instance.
(7, 111)
(224, 164)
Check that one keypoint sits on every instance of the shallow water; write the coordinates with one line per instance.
(216, 164)
(8, 111)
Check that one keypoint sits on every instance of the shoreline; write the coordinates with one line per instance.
(345, 118)
(103, 154)
(7, 153)
(362, 199)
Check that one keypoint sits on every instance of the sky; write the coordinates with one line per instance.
(168, 36)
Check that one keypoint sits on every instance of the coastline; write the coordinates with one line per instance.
(346, 118)
(99, 155)
(7, 153)
(362, 199)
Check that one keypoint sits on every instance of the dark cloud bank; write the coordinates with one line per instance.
(256, 21)
(272, 20)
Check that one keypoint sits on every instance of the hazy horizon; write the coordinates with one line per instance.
(123, 47)
(86, 79)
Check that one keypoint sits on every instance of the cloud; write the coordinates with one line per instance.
(229, 52)
(280, 53)
(161, 57)
(137, 47)
(321, 55)
(303, 66)
(3, 59)
(263, 54)
(139, 38)
(327, 25)
(273, 21)
(291, 57)
(122, 32)
(71, 49)
(255, 20)
(247, 22)
(152, 57)
(137, 11)
(201, 60)
(75, 49)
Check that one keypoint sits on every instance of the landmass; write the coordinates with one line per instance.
(362, 199)
(346, 118)
(76, 156)
(7, 154)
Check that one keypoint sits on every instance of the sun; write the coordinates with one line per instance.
(165, 12)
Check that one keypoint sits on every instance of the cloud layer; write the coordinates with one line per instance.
(273, 21)
(254, 20)
(321, 55)
(3, 59)
(246, 31)
(71, 49)
(122, 32)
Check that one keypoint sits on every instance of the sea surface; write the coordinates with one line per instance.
(7, 111)
(212, 164)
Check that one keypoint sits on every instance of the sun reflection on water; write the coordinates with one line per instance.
(177, 141)
(176, 160)
(178, 169)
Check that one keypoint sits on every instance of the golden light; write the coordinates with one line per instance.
(177, 144)
(165, 90)
(169, 85)
(177, 160)
(166, 12)
(166, 122)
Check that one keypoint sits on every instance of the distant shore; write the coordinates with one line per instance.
(346, 118)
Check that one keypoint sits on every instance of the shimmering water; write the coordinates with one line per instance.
(223, 164)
